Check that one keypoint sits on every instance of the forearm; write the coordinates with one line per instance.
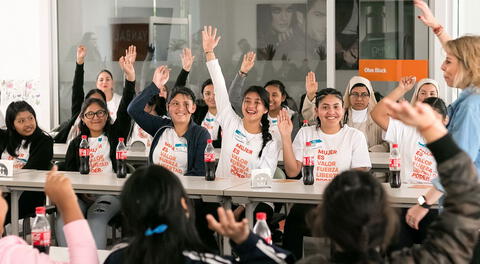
(235, 92)
(181, 79)
(292, 166)
(221, 95)
(308, 111)
(433, 195)
(380, 113)
(70, 210)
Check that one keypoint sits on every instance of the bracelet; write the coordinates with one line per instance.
(244, 74)
(438, 30)
(206, 52)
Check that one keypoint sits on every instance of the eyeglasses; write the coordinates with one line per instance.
(363, 95)
(99, 114)
(176, 104)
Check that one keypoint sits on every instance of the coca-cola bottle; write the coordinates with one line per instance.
(121, 159)
(261, 228)
(394, 167)
(84, 153)
(308, 164)
(305, 123)
(209, 158)
(41, 231)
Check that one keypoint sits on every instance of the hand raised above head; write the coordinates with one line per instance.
(427, 16)
(209, 38)
(187, 59)
(248, 62)
(81, 54)
(161, 76)
(311, 85)
(285, 125)
(407, 83)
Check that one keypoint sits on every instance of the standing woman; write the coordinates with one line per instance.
(337, 147)
(246, 139)
(28, 146)
(103, 140)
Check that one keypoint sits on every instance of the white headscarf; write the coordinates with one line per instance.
(420, 84)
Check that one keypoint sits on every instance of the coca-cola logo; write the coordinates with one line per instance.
(121, 155)
(84, 152)
(209, 157)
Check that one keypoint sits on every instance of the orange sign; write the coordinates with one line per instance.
(392, 70)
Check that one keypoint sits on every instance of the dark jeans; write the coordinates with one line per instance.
(296, 228)
(26, 204)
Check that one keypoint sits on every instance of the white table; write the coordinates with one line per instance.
(294, 191)
(61, 254)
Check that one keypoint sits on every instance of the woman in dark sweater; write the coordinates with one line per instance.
(103, 139)
(28, 146)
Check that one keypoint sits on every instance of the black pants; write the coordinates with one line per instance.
(26, 204)
(202, 209)
(296, 228)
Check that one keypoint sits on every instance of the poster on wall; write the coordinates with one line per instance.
(346, 34)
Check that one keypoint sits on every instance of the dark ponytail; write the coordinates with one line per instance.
(266, 136)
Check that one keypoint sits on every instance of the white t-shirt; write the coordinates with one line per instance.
(211, 124)
(22, 156)
(171, 152)
(334, 153)
(417, 164)
(240, 149)
(274, 131)
(2, 120)
(113, 106)
(139, 135)
(100, 161)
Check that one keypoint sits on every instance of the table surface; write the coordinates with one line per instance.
(378, 159)
(61, 254)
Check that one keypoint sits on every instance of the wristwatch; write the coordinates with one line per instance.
(422, 201)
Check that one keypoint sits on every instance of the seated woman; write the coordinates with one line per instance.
(81, 245)
(424, 88)
(178, 143)
(103, 138)
(356, 216)
(161, 218)
(69, 129)
(28, 146)
(359, 101)
(337, 147)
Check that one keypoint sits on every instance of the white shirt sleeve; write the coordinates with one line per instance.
(360, 156)
(225, 112)
(393, 131)
(2, 120)
(299, 144)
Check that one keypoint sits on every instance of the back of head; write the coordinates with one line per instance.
(96, 91)
(438, 105)
(152, 197)
(356, 215)
(467, 50)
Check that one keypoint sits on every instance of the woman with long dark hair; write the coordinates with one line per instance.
(28, 146)
(161, 226)
(103, 138)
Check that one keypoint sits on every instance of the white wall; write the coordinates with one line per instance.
(25, 52)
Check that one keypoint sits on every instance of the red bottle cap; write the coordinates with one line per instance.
(305, 121)
(209, 141)
(84, 136)
(261, 216)
(308, 144)
(395, 145)
(120, 139)
(40, 210)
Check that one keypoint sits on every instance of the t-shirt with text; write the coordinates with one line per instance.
(100, 161)
(211, 124)
(171, 152)
(22, 156)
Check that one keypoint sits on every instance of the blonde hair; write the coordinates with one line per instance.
(467, 50)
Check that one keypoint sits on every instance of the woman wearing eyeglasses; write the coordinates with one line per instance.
(359, 101)
(103, 140)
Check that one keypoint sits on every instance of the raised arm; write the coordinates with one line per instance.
(78, 79)
(380, 113)
(187, 62)
(146, 121)
(285, 127)
(236, 88)
(453, 235)
(311, 88)
(123, 120)
(430, 21)
(141, 83)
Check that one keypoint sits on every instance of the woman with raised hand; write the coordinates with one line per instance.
(356, 216)
(430, 21)
(423, 89)
(24, 142)
(246, 139)
(161, 221)
(178, 143)
(103, 138)
(81, 245)
(69, 129)
(337, 147)
(359, 101)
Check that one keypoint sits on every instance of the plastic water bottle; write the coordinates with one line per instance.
(121, 159)
(261, 228)
(308, 164)
(84, 153)
(305, 123)
(41, 231)
(394, 167)
(209, 158)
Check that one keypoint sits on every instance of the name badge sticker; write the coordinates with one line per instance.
(239, 136)
(316, 143)
(180, 147)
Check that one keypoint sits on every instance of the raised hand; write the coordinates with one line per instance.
(311, 85)
(248, 62)
(131, 54)
(209, 38)
(81, 54)
(227, 226)
(187, 59)
(427, 16)
(127, 66)
(285, 125)
(161, 76)
(407, 83)
(58, 188)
